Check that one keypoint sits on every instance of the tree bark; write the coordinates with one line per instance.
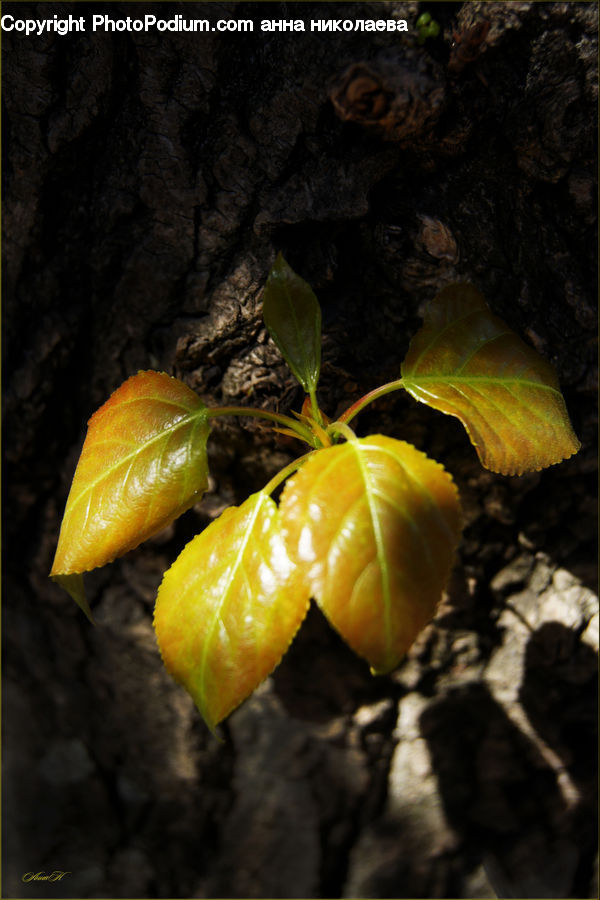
(149, 180)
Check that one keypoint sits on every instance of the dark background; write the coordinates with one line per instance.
(149, 180)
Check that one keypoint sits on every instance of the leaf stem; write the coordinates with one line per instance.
(285, 473)
(316, 412)
(301, 430)
(370, 397)
(341, 428)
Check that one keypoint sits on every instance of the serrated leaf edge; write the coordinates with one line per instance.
(454, 540)
(208, 721)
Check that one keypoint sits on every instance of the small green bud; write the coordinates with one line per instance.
(427, 26)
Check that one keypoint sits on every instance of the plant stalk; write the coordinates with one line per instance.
(341, 428)
(353, 410)
(301, 430)
(316, 412)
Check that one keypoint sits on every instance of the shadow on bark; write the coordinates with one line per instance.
(527, 817)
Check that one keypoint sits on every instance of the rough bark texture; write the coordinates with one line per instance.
(149, 180)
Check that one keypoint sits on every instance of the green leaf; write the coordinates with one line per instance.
(229, 606)
(73, 585)
(292, 315)
(143, 463)
(372, 525)
(467, 363)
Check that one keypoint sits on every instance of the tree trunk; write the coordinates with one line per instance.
(150, 177)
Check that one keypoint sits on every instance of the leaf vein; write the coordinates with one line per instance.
(439, 334)
(480, 347)
(161, 436)
(216, 612)
(379, 542)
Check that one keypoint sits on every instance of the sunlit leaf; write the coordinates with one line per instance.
(466, 362)
(73, 585)
(229, 606)
(292, 315)
(143, 463)
(373, 524)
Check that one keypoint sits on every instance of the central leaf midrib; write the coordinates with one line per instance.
(379, 544)
(224, 594)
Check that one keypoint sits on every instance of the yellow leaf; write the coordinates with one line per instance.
(229, 606)
(373, 524)
(467, 363)
(143, 463)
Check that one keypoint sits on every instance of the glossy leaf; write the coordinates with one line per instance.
(466, 362)
(229, 606)
(143, 463)
(373, 524)
(292, 315)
